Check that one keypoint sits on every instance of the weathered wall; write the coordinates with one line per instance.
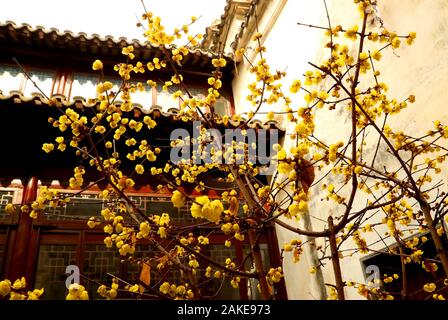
(421, 69)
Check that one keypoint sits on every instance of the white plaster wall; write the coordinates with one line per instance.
(289, 46)
(421, 69)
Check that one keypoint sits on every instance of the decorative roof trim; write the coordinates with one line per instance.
(48, 37)
(79, 102)
(214, 34)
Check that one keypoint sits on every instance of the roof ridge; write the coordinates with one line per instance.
(18, 97)
(116, 40)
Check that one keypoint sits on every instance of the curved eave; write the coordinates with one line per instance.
(25, 129)
(13, 35)
(77, 102)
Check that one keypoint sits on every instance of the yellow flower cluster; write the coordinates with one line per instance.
(178, 199)
(295, 87)
(216, 83)
(77, 179)
(16, 291)
(313, 78)
(219, 63)
(203, 240)
(174, 291)
(429, 287)
(46, 197)
(111, 293)
(123, 237)
(103, 87)
(145, 229)
(128, 51)
(77, 292)
(333, 150)
(48, 147)
(294, 246)
(275, 274)
(155, 31)
(10, 208)
(430, 266)
(92, 223)
(70, 118)
(364, 63)
(204, 208)
(124, 70)
(360, 242)
(139, 169)
(297, 208)
(235, 282)
(389, 279)
(155, 64)
(97, 65)
(352, 33)
(135, 288)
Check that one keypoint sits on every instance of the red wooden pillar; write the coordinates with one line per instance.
(19, 265)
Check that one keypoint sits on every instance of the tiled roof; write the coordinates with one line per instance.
(216, 33)
(38, 99)
(247, 18)
(12, 35)
(39, 37)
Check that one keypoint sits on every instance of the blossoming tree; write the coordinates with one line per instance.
(366, 195)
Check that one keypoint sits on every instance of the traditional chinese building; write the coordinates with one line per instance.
(37, 64)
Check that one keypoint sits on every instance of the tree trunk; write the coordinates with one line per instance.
(441, 252)
(254, 247)
(335, 260)
(258, 262)
(404, 276)
(314, 259)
